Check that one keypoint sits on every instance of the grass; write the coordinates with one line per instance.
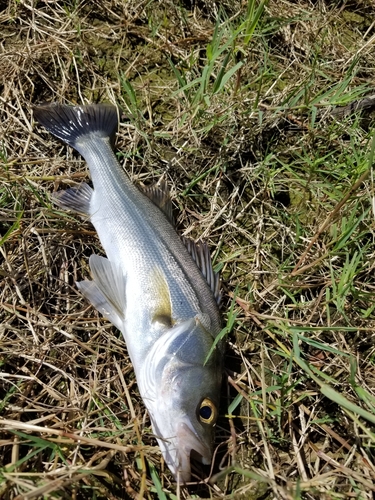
(253, 112)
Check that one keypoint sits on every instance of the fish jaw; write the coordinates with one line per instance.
(177, 451)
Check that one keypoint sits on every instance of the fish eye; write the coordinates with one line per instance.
(207, 412)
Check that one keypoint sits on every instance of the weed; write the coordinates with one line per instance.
(259, 115)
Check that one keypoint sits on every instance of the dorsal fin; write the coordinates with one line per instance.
(159, 195)
(201, 256)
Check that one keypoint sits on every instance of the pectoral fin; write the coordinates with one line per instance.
(162, 308)
(107, 292)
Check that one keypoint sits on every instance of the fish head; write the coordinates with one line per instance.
(183, 399)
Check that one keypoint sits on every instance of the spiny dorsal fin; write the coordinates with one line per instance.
(74, 198)
(159, 195)
(201, 256)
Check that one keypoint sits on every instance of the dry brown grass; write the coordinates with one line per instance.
(266, 171)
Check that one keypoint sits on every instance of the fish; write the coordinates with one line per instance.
(157, 288)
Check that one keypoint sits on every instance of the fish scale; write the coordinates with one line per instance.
(136, 225)
(150, 287)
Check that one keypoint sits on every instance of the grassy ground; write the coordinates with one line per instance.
(262, 122)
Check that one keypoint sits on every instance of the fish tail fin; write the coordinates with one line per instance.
(72, 123)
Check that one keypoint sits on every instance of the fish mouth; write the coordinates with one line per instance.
(188, 445)
(179, 449)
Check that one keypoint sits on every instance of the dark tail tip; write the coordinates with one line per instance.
(70, 123)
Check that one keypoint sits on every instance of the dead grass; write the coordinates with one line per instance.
(263, 165)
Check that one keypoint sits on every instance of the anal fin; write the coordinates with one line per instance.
(74, 198)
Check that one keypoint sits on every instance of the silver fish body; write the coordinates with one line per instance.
(149, 287)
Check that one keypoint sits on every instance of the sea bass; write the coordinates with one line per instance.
(159, 290)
